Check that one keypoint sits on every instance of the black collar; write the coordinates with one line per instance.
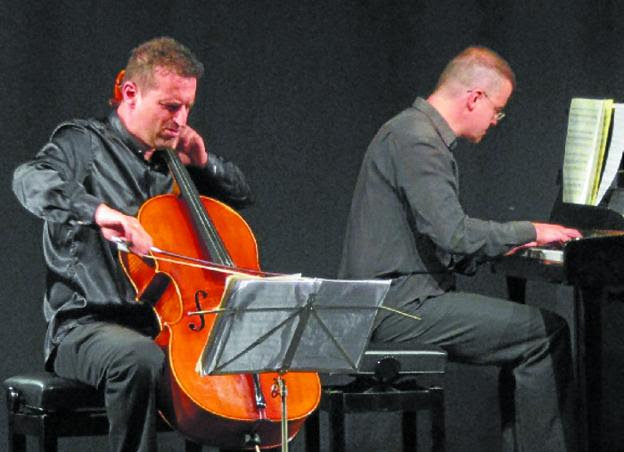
(126, 137)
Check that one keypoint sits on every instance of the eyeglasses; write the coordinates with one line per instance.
(499, 114)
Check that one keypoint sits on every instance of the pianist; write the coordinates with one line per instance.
(406, 223)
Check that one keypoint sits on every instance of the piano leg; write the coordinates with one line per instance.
(588, 319)
(588, 358)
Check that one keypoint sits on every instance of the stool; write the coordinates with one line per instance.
(390, 379)
(47, 406)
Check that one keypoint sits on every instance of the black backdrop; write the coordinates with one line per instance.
(293, 92)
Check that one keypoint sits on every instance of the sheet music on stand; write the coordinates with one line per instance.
(283, 324)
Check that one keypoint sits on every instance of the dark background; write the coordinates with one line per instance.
(293, 92)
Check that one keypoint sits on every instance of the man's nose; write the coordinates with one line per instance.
(181, 116)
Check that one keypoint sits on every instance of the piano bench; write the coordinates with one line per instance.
(46, 406)
(390, 379)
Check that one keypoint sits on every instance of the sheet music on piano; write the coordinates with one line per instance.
(614, 154)
(588, 199)
(593, 265)
(588, 128)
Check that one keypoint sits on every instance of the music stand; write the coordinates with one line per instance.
(284, 324)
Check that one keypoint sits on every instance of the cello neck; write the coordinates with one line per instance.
(211, 242)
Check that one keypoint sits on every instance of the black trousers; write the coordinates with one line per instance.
(128, 366)
(531, 346)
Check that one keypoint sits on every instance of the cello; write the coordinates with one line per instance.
(227, 411)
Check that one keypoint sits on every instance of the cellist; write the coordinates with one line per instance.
(87, 183)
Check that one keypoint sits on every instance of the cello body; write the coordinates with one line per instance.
(225, 410)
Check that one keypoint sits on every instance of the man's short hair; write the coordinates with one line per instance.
(472, 65)
(163, 52)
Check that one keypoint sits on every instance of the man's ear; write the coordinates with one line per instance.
(471, 99)
(129, 91)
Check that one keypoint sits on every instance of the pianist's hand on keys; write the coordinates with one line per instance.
(554, 233)
(549, 234)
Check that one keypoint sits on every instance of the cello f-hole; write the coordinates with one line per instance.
(200, 294)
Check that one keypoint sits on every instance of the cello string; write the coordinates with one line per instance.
(203, 223)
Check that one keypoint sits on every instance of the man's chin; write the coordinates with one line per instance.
(478, 138)
(166, 142)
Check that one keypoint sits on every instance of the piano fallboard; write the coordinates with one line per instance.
(523, 266)
(595, 261)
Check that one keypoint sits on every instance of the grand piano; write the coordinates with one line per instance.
(594, 267)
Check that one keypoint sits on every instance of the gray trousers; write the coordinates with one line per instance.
(531, 346)
(127, 366)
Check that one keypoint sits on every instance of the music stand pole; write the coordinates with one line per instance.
(283, 391)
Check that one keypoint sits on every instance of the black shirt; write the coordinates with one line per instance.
(86, 163)
(406, 222)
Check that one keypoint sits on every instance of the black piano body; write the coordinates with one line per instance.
(595, 260)
(594, 267)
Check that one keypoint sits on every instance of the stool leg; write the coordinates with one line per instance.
(17, 442)
(47, 437)
(438, 429)
(409, 429)
(313, 432)
(48, 444)
(337, 441)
